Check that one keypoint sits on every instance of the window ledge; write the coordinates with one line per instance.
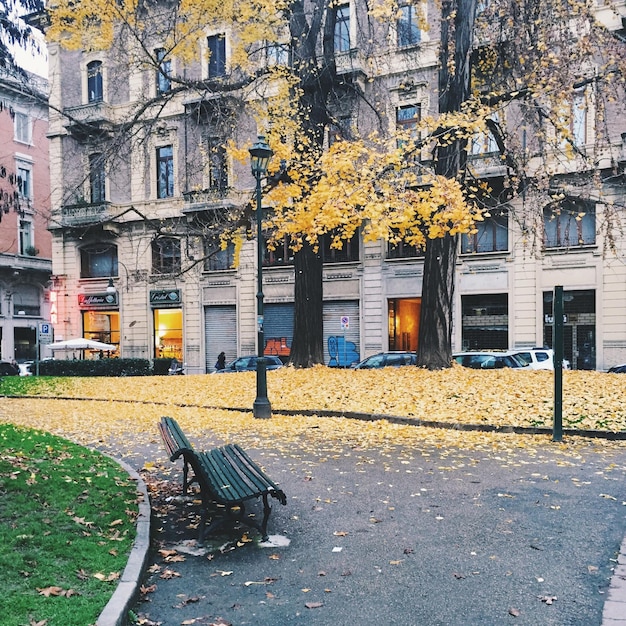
(589, 247)
(487, 254)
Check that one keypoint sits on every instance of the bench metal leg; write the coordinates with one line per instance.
(267, 509)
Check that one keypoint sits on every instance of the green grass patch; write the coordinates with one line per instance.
(67, 523)
(29, 385)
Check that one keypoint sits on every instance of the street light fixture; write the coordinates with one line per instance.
(260, 155)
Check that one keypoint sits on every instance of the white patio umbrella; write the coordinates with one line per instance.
(81, 344)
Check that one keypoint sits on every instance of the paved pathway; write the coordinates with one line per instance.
(410, 536)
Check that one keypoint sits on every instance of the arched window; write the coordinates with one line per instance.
(94, 82)
(98, 261)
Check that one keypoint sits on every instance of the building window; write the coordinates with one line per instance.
(342, 28)
(281, 255)
(24, 180)
(349, 251)
(491, 235)
(23, 127)
(25, 237)
(484, 143)
(218, 165)
(94, 82)
(570, 224)
(168, 334)
(27, 301)
(166, 255)
(102, 326)
(407, 118)
(96, 178)
(485, 321)
(163, 81)
(217, 58)
(216, 259)
(98, 261)
(409, 33)
(579, 119)
(277, 54)
(403, 250)
(165, 172)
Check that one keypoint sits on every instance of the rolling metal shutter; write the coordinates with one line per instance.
(341, 346)
(220, 333)
(278, 329)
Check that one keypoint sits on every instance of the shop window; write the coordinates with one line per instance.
(349, 251)
(404, 319)
(342, 28)
(168, 334)
(217, 55)
(96, 178)
(485, 320)
(165, 172)
(570, 224)
(98, 261)
(95, 91)
(166, 257)
(163, 81)
(492, 235)
(409, 33)
(102, 326)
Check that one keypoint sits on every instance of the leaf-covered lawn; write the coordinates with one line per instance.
(591, 400)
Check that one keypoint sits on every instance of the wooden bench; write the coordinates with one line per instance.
(226, 476)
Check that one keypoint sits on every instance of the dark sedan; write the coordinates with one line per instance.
(248, 364)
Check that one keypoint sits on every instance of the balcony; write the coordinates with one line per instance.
(213, 199)
(351, 65)
(84, 214)
(89, 120)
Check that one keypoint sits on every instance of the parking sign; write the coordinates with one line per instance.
(345, 322)
(45, 332)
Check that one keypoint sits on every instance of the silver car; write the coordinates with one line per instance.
(490, 360)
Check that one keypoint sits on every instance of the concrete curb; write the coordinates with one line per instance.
(614, 613)
(115, 612)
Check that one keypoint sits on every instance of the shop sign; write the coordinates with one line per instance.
(164, 297)
(97, 300)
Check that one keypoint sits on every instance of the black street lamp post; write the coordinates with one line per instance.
(260, 154)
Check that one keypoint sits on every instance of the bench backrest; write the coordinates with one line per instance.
(174, 438)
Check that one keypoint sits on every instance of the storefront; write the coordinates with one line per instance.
(100, 317)
(167, 316)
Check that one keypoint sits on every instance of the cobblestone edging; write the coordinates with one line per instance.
(115, 612)
(614, 613)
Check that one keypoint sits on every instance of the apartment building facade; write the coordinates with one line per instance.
(136, 264)
(25, 242)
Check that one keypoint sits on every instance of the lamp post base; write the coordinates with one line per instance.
(262, 408)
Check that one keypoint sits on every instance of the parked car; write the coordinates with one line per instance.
(540, 358)
(248, 364)
(618, 369)
(387, 359)
(9, 369)
(490, 360)
(25, 368)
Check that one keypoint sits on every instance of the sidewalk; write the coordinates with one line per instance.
(421, 536)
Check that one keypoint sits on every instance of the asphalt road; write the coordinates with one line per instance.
(435, 536)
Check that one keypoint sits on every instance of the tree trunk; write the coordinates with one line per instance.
(434, 349)
(316, 83)
(307, 348)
